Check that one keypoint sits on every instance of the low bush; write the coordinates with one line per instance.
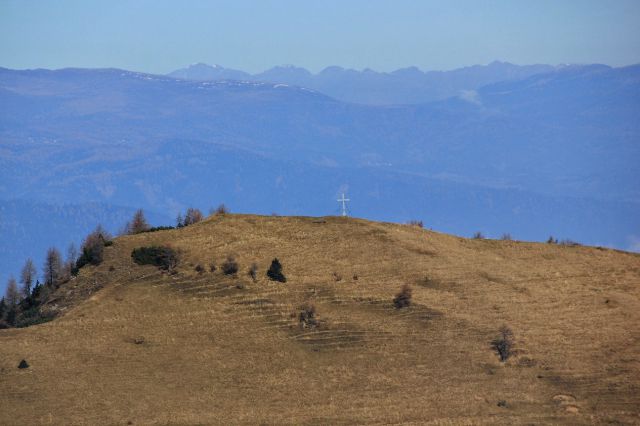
(253, 272)
(161, 256)
(307, 315)
(552, 240)
(403, 298)
(230, 266)
(503, 344)
(32, 316)
(506, 237)
(212, 267)
(158, 228)
(417, 223)
(478, 236)
(275, 271)
(199, 269)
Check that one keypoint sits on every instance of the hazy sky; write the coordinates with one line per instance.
(159, 36)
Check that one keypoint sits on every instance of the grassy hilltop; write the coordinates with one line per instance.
(135, 344)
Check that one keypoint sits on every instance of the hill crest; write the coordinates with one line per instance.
(203, 347)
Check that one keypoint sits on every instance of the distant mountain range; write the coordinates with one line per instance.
(403, 86)
(553, 153)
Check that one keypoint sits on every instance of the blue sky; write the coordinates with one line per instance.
(159, 36)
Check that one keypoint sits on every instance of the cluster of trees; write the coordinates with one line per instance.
(20, 305)
(190, 217)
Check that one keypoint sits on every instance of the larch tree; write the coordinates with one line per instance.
(12, 296)
(138, 223)
(72, 258)
(27, 276)
(192, 216)
(52, 266)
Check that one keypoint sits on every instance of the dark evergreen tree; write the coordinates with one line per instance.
(275, 271)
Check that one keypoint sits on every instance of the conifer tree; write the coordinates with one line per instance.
(3, 308)
(275, 271)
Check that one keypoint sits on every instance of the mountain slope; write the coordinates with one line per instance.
(189, 348)
(556, 153)
(29, 228)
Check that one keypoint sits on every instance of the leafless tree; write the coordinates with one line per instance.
(12, 296)
(52, 266)
(192, 216)
(72, 258)
(138, 223)
(27, 276)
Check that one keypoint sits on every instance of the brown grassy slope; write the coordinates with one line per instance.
(150, 347)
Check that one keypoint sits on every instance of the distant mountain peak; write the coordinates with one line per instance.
(202, 72)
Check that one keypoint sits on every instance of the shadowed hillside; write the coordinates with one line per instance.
(137, 344)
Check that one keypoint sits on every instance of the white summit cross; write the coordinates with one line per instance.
(344, 204)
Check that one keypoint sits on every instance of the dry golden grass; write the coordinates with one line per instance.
(137, 345)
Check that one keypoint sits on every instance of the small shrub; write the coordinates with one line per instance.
(337, 277)
(355, 277)
(212, 267)
(23, 364)
(253, 272)
(417, 223)
(199, 269)
(307, 315)
(551, 240)
(163, 257)
(230, 266)
(158, 228)
(478, 236)
(503, 344)
(506, 237)
(403, 298)
(275, 271)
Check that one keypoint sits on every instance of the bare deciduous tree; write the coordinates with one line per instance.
(12, 296)
(52, 266)
(72, 258)
(192, 216)
(27, 276)
(138, 223)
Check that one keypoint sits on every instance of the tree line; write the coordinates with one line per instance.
(20, 306)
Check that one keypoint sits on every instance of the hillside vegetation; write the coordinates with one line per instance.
(137, 344)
